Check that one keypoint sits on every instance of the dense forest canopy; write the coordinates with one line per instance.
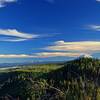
(73, 80)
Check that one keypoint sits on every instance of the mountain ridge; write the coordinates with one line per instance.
(78, 79)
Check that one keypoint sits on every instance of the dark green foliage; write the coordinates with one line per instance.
(75, 80)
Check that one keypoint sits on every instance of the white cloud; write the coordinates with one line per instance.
(15, 36)
(4, 2)
(98, 0)
(12, 40)
(82, 46)
(14, 32)
(57, 54)
(15, 56)
(94, 27)
(70, 49)
(63, 49)
(41, 55)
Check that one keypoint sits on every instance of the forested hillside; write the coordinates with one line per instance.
(74, 80)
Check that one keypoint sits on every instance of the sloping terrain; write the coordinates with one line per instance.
(74, 80)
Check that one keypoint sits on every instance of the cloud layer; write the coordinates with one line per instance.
(70, 49)
(3, 3)
(15, 56)
(56, 54)
(40, 55)
(62, 49)
(82, 46)
(14, 35)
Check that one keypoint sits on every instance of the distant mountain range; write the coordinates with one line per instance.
(5, 65)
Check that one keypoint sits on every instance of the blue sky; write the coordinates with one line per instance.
(42, 30)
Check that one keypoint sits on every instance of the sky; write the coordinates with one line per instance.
(48, 30)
